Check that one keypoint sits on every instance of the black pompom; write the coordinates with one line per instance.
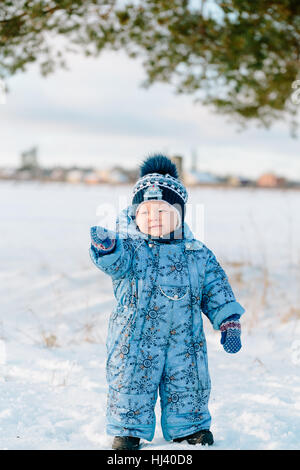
(158, 164)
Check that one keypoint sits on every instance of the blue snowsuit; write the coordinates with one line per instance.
(155, 335)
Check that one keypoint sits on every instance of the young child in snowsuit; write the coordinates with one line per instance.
(163, 278)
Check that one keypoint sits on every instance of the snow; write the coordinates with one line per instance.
(55, 306)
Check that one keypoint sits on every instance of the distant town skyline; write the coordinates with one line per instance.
(96, 114)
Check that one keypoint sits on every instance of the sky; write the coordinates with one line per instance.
(97, 114)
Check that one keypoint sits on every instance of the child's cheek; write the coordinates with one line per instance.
(142, 225)
(168, 221)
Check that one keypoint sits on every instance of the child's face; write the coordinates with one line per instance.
(156, 218)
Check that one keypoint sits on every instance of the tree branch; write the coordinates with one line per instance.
(44, 12)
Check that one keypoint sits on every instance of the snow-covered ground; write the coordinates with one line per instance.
(55, 306)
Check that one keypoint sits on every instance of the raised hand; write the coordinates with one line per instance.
(102, 239)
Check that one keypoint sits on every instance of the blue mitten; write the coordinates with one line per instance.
(103, 241)
(231, 334)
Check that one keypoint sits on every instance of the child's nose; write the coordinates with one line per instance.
(154, 215)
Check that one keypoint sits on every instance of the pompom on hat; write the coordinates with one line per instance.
(159, 180)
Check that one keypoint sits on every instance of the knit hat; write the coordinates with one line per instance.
(159, 180)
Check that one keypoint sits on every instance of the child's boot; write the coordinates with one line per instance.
(126, 443)
(200, 437)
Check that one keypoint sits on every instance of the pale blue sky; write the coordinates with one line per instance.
(96, 114)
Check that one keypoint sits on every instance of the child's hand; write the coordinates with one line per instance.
(102, 239)
(231, 334)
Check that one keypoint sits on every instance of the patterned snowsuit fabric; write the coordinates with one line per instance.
(155, 340)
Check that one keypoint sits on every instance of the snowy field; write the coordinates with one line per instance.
(55, 305)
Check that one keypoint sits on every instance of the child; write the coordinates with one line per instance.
(163, 278)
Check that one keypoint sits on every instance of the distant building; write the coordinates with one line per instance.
(133, 175)
(293, 184)
(29, 160)
(91, 177)
(194, 177)
(29, 167)
(281, 181)
(234, 181)
(24, 175)
(178, 160)
(247, 182)
(118, 175)
(7, 173)
(74, 176)
(57, 174)
(270, 180)
(103, 175)
(194, 166)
